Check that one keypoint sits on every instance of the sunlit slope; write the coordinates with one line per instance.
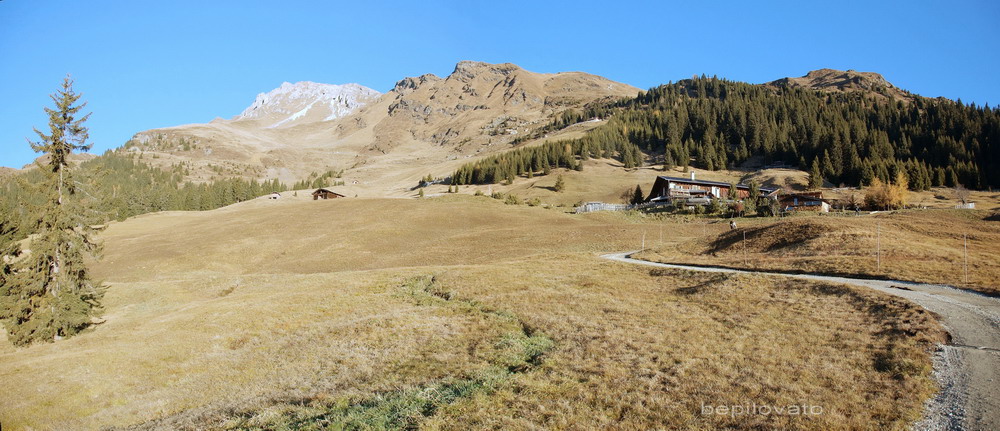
(300, 235)
(291, 313)
(930, 246)
(266, 300)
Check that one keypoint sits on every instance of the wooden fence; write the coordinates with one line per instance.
(601, 206)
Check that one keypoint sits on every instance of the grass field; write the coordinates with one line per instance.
(601, 180)
(456, 312)
(913, 245)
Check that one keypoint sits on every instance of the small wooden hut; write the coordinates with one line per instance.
(326, 194)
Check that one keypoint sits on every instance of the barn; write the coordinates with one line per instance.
(670, 188)
(326, 194)
(804, 201)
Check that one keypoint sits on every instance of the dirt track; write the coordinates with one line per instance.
(967, 369)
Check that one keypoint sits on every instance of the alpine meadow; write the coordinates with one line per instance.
(481, 245)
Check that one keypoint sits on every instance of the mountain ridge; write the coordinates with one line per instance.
(426, 122)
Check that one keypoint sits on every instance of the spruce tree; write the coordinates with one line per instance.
(560, 184)
(828, 169)
(815, 177)
(753, 198)
(637, 196)
(48, 294)
(9, 252)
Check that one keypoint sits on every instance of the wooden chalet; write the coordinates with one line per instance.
(804, 201)
(671, 188)
(326, 194)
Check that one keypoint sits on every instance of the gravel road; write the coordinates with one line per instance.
(967, 369)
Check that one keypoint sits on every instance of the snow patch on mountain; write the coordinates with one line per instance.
(297, 100)
(294, 116)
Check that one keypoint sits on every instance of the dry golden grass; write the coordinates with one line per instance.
(307, 237)
(266, 311)
(640, 349)
(916, 245)
(174, 346)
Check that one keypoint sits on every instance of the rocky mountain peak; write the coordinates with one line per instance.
(833, 80)
(410, 83)
(467, 70)
(290, 102)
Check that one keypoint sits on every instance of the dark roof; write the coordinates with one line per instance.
(813, 194)
(326, 190)
(712, 183)
(800, 197)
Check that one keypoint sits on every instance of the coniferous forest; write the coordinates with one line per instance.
(118, 186)
(714, 124)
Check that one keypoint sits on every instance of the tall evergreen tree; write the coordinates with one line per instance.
(827, 166)
(48, 294)
(815, 176)
(753, 198)
(9, 252)
(637, 196)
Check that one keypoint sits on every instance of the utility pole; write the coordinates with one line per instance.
(965, 237)
(643, 240)
(878, 246)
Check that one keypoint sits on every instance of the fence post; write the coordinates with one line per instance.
(745, 262)
(965, 238)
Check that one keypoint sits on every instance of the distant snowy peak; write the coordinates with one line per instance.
(308, 101)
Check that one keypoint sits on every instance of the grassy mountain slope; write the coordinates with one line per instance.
(453, 312)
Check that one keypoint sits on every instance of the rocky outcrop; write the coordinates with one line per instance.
(832, 80)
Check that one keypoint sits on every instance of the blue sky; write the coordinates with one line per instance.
(146, 64)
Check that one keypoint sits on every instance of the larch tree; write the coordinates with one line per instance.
(47, 292)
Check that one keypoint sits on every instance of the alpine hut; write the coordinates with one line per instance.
(326, 194)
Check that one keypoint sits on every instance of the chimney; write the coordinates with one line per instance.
(692, 175)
